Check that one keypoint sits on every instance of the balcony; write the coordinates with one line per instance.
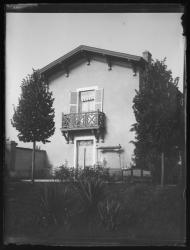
(78, 123)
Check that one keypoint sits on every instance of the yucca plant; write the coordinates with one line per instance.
(91, 192)
(56, 204)
(109, 212)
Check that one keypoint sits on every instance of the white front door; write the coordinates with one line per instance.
(85, 153)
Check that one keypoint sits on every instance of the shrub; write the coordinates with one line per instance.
(109, 212)
(138, 198)
(103, 172)
(57, 204)
(91, 192)
(96, 171)
(64, 173)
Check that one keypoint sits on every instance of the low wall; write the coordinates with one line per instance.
(18, 161)
(23, 162)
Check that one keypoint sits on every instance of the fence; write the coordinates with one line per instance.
(135, 174)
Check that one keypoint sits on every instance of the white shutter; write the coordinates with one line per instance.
(73, 102)
(99, 94)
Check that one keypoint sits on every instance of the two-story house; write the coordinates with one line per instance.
(93, 90)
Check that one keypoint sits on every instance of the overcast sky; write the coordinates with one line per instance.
(35, 39)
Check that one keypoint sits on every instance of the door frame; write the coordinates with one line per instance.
(84, 138)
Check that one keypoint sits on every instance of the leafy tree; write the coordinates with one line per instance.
(159, 118)
(34, 115)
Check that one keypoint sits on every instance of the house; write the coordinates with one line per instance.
(93, 90)
(18, 161)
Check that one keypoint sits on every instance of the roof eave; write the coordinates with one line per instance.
(91, 50)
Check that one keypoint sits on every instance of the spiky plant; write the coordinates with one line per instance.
(109, 212)
(91, 193)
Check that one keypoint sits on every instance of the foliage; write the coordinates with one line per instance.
(64, 173)
(67, 173)
(109, 212)
(159, 117)
(56, 204)
(97, 172)
(146, 212)
(34, 115)
(91, 192)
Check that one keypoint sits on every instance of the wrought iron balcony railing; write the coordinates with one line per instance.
(88, 120)
(92, 121)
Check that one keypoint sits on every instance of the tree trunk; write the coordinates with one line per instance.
(162, 169)
(84, 158)
(33, 161)
(141, 172)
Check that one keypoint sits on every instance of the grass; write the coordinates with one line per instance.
(148, 215)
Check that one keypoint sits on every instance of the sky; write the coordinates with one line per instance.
(35, 39)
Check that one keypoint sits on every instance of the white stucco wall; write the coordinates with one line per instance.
(119, 86)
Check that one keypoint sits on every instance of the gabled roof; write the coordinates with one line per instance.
(88, 52)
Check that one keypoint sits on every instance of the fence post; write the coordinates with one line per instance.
(162, 169)
(141, 173)
(33, 161)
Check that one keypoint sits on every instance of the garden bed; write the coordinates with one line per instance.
(146, 215)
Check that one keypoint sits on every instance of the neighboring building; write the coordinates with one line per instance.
(18, 161)
(93, 90)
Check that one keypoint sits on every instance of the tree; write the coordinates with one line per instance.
(34, 115)
(159, 118)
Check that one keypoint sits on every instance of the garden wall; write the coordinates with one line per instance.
(18, 161)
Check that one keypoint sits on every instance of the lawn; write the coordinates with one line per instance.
(138, 214)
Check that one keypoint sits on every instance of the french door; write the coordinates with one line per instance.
(87, 101)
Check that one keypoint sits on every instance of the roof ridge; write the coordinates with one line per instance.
(108, 50)
(91, 49)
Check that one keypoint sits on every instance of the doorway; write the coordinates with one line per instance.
(85, 153)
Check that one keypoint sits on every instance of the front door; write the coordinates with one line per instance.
(84, 153)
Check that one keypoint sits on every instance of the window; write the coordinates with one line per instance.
(86, 100)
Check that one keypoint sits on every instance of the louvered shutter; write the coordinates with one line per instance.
(73, 102)
(99, 99)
